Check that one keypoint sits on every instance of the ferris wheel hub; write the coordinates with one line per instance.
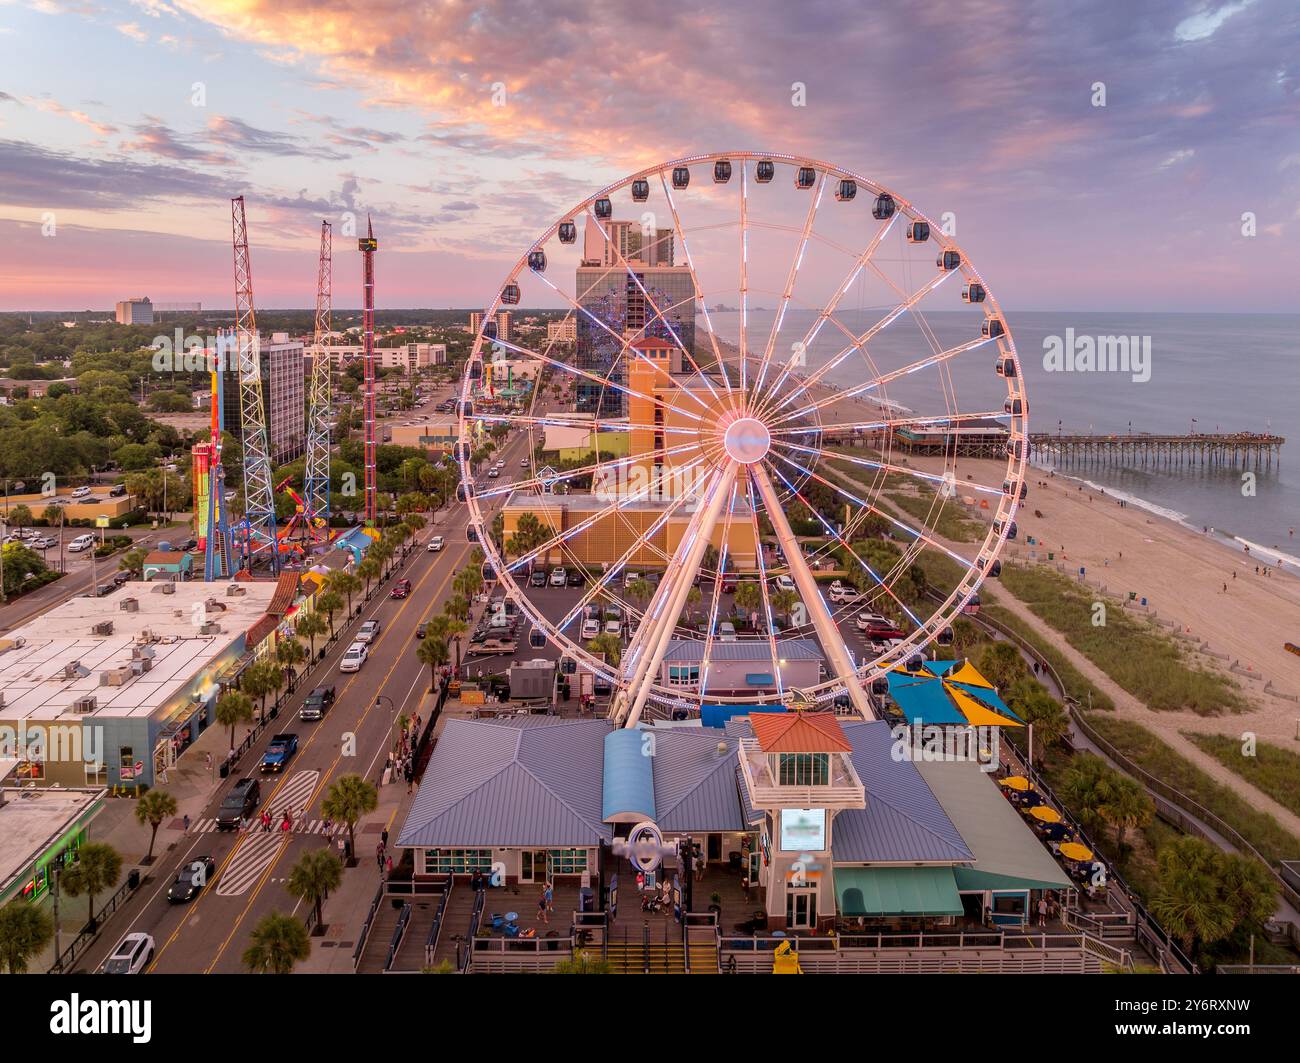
(747, 440)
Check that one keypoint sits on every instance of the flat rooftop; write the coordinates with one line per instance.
(49, 663)
(31, 820)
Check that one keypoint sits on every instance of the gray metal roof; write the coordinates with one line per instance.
(530, 781)
(903, 820)
(692, 650)
(695, 785)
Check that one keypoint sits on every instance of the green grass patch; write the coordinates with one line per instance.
(1148, 664)
(1273, 769)
(918, 500)
(1147, 750)
(1077, 685)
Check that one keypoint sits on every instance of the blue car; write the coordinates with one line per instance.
(278, 753)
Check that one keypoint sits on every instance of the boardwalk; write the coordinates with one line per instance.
(1230, 448)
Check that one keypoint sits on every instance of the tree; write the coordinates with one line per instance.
(350, 798)
(341, 581)
(1035, 705)
(1189, 901)
(53, 515)
(133, 562)
(748, 596)
(1085, 787)
(965, 636)
(20, 516)
(312, 878)
(639, 590)
(152, 807)
(329, 603)
(609, 645)
(97, 868)
(279, 943)
(457, 606)
(234, 708)
(456, 629)
(432, 650)
(25, 930)
(583, 962)
(784, 602)
(1001, 664)
(368, 569)
(289, 653)
(309, 626)
(261, 678)
(1127, 805)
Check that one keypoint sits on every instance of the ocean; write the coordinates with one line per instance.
(1207, 373)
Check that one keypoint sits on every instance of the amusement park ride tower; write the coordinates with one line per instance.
(367, 245)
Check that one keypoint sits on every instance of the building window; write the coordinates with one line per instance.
(566, 861)
(804, 769)
(456, 861)
(683, 675)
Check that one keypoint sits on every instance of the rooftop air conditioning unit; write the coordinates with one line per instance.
(142, 652)
(116, 677)
(210, 628)
(104, 627)
(145, 636)
(85, 704)
(167, 588)
(140, 665)
(73, 670)
(234, 590)
(129, 605)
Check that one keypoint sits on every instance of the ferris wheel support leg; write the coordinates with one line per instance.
(651, 641)
(828, 634)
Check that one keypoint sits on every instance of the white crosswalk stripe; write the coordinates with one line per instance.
(310, 826)
(295, 793)
(253, 856)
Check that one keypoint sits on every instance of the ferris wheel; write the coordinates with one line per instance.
(744, 434)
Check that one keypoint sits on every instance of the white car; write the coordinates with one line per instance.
(80, 492)
(613, 627)
(132, 955)
(81, 542)
(558, 577)
(354, 657)
(494, 474)
(368, 633)
(590, 628)
(523, 463)
(436, 544)
(843, 592)
(726, 631)
(784, 583)
(630, 578)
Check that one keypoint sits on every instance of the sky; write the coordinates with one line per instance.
(465, 129)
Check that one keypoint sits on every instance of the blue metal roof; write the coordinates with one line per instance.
(692, 650)
(497, 783)
(903, 820)
(695, 781)
(717, 715)
(628, 789)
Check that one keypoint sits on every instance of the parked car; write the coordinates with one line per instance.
(80, 543)
(523, 463)
(537, 578)
(436, 544)
(401, 589)
(279, 752)
(80, 492)
(239, 804)
(368, 632)
(317, 703)
(726, 631)
(558, 577)
(133, 954)
(590, 628)
(575, 578)
(117, 491)
(191, 878)
(784, 583)
(614, 627)
(421, 630)
(105, 589)
(121, 577)
(354, 657)
(843, 592)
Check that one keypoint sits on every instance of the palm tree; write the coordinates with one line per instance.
(1036, 706)
(290, 654)
(53, 515)
(20, 516)
(639, 590)
(152, 808)
(280, 942)
(457, 606)
(609, 645)
(432, 651)
(784, 602)
(350, 798)
(1127, 805)
(455, 630)
(368, 569)
(234, 708)
(340, 581)
(1002, 665)
(415, 522)
(1189, 902)
(309, 625)
(97, 868)
(1085, 788)
(748, 596)
(256, 683)
(25, 930)
(312, 878)
(693, 598)
(133, 562)
(329, 603)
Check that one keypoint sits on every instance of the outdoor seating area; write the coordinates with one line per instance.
(1075, 858)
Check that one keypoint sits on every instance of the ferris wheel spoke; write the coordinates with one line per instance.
(695, 282)
(584, 470)
(587, 522)
(891, 423)
(948, 483)
(901, 525)
(828, 634)
(762, 584)
(646, 653)
(660, 315)
(828, 311)
(886, 378)
(716, 596)
(744, 283)
(788, 292)
(866, 337)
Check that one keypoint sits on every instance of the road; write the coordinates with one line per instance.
(209, 934)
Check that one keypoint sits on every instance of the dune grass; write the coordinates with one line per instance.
(918, 500)
(1148, 751)
(1145, 662)
(1273, 769)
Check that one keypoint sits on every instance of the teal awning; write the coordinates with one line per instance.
(877, 891)
(628, 786)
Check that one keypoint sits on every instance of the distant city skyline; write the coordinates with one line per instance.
(125, 127)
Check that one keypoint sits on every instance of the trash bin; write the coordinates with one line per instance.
(225, 769)
(133, 878)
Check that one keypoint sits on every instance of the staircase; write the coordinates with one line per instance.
(704, 957)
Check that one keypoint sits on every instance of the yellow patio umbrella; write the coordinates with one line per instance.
(1044, 814)
(1075, 851)
(1016, 782)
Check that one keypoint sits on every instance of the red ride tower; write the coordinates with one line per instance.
(367, 245)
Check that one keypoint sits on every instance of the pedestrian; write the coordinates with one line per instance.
(328, 826)
(383, 838)
(379, 855)
(1042, 911)
(542, 913)
(185, 822)
(548, 892)
(207, 762)
(388, 867)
